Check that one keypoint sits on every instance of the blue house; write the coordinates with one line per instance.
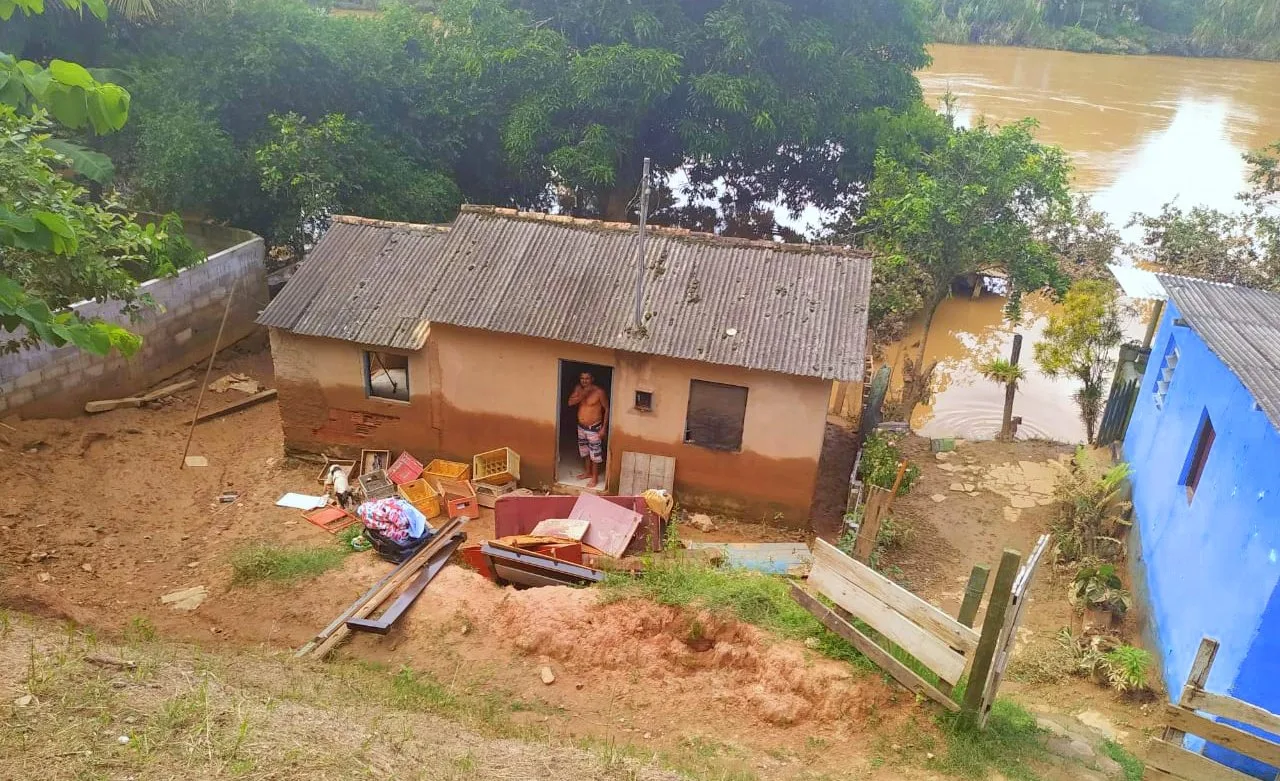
(1204, 445)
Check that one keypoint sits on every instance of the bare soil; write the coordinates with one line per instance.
(99, 521)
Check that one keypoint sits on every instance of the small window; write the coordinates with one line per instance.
(386, 375)
(644, 401)
(1198, 456)
(716, 415)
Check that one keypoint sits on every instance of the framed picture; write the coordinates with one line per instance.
(373, 460)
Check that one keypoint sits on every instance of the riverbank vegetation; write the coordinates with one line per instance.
(1196, 28)
(275, 115)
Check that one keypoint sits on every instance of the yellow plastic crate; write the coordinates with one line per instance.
(420, 494)
(439, 469)
(496, 467)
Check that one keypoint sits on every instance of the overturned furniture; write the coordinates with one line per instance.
(946, 646)
(513, 515)
(514, 566)
(1167, 758)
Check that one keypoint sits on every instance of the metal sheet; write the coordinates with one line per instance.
(775, 558)
(1137, 282)
(791, 308)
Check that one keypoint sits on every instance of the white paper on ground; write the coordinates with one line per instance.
(301, 501)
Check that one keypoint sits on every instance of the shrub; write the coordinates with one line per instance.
(1091, 514)
(1126, 668)
(879, 465)
(1099, 586)
(267, 561)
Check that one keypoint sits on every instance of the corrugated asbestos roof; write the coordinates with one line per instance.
(1242, 327)
(794, 309)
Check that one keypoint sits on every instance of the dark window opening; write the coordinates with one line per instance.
(386, 375)
(716, 415)
(1198, 456)
(644, 401)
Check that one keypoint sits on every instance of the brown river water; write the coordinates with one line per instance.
(1141, 131)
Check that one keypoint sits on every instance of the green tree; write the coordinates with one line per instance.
(765, 98)
(974, 203)
(335, 166)
(57, 244)
(1079, 342)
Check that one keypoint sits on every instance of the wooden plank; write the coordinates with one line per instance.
(401, 574)
(973, 592)
(106, 405)
(992, 627)
(1177, 762)
(1231, 708)
(932, 651)
(869, 530)
(256, 398)
(900, 672)
(1201, 666)
(935, 621)
(383, 623)
(1224, 735)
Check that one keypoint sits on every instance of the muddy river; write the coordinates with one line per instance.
(1141, 131)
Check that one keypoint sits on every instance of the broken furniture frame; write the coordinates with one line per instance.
(383, 623)
(1168, 759)
(944, 645)
(514, 566)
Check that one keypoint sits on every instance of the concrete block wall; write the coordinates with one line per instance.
(49, 382)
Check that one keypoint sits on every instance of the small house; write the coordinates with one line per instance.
(1204, 444)
(453, 340)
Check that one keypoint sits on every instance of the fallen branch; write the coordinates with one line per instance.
(111, 661)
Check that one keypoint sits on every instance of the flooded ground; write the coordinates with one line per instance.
(1141, 131)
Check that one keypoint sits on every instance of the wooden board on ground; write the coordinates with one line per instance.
(900, 672)
(612, 526)
(106, 405)
(568, 528)
(256, 398)
(1009, 633)
(642, 471)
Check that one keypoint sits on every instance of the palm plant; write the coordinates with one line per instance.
(1091, 510)
(1008, 374)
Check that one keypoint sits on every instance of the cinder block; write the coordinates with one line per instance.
(202, 301)
(183, 336)
(96, 370)
(8, 387)
(72, 380)
(30, 379)
(54, 370)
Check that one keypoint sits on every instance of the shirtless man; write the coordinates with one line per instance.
(593, 417)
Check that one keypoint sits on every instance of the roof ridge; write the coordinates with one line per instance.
(351, 219)
(665, 230)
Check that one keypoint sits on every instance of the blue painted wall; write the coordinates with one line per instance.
(1211, 563)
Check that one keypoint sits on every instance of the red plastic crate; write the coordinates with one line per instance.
(405, 469)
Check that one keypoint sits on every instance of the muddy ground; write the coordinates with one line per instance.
(99, 521)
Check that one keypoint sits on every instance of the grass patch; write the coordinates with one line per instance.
(1011, 741)
(1133, 767)
(268, 561)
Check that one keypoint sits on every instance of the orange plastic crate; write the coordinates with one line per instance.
(496, 467)
(439, 469)
(420, 494)
(405, 469)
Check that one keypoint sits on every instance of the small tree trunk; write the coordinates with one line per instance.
(1011, 388)
(932, 309)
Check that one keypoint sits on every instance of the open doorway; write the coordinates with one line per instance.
(569, 463)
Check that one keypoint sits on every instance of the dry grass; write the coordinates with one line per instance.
(187, 714)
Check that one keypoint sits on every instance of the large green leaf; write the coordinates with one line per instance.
(108, 108)
(71, 74)
(67, 105)
(97, 7)
(86, 162)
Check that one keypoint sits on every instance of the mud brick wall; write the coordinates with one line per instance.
(57, 382)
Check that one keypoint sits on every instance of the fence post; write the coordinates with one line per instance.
(872, 515)
(992, 626)
(973, 594)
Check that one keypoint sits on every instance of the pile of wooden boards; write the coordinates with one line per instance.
(409, 579)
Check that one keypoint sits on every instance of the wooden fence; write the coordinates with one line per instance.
(946, 646)
(1166, 757)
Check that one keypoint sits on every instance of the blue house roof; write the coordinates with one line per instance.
(1241, 326)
